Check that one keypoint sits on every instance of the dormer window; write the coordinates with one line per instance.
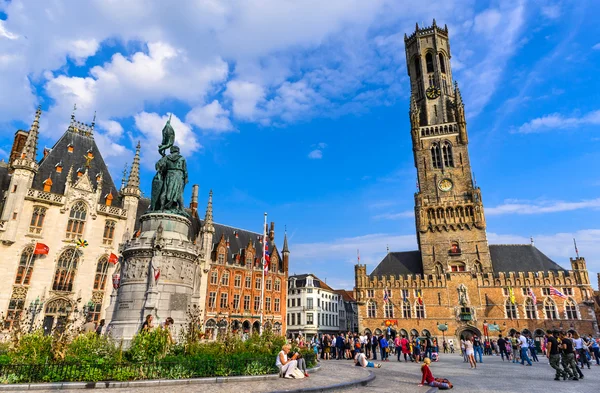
(70, 148)
(59, 167)
(309, 282)
(221, 258)
(90, 154)
(47, 184)
(108, 199)
(79, 172)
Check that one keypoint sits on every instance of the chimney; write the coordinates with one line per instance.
(194, 202)
(272, 231)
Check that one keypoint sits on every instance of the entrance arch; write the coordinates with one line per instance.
(256, 326)
(56, 315)
(246, 326)
(468, 332)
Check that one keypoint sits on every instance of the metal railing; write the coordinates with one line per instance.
(193, 367)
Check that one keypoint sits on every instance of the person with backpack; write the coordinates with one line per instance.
(374, 345)
(502, 347)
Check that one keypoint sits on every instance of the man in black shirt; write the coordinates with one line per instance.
(502, 347)
(568, 356)
(553, 353)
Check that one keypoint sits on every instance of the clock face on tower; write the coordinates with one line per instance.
(433, 92)
(445, 185)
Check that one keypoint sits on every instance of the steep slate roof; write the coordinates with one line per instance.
(399, 263)
(520, 258)
(346, 295)
(4, 176)
(317, 282)
(59, 154)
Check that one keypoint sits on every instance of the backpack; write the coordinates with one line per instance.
(297, 373)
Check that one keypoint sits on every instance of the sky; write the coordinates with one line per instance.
(300, 109)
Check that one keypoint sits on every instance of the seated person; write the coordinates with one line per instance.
(301, 363)
(285, 365)
(361, 360)
(428, 379)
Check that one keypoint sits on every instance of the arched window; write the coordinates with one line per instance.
(371, 309)
(550, 309)
(225, 279)
(406, 311)
(419, 310)
(25, 268)
(101, 273)
(76, 221)
(37, 220)
(388, 310)
(457, 267)
(570, 309)
(436, 156)
(109, 232)
(530, 309)
(429, 62)
(66, 268)
(478, 267)
(511, 309)
(417, 67)
(442, 63)
(439, 269)
(447, 153)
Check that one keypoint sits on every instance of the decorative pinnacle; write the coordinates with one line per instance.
(94, 120)
(30, 149)
(134, 174)
(124, 177)
(208, 218)
(285, 243)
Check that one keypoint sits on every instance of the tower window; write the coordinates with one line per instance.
(417, 67)
(37, 219)
(101, 273)
(442, 64)
(66, 268)
(429, 62)
(447, 153)
(436, 156)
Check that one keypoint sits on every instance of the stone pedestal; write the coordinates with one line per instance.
(157, 277)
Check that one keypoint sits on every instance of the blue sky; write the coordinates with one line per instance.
(300, 109)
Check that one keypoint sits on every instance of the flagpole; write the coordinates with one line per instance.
(576, 250)
(262, 284)
(68, 272)
(29, 262)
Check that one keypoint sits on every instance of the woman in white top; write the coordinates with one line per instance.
(287, 366)
(580, 348)
(361, 360)
(469, 352)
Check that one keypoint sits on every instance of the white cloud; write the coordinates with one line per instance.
(151, 125)
(80, 50)
(211, 117)
(5, 33)
(551, 11)
(540, 207)
(557, 121)
(245, 97)
(315, 154)
(113, 129)
(596, 47)
(395, 216)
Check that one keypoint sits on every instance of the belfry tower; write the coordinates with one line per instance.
(448, 206)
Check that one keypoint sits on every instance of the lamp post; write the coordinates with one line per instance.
(35, 307)
(443, 327)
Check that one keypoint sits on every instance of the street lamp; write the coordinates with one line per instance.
(35, 307)
(443, 327)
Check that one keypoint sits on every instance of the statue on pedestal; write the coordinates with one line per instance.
(171, 177)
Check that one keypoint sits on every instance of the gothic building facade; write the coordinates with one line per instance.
(63, 221)
(455, 280)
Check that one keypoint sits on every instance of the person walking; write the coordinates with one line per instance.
(595, 348)
(478, 348)
(383, 344)
(416, 352)
(445, 346)
(469, 352)
(374, 345)
(398, 345)
(451, 346)
(532, 349)
(502, 347)
(568, 357)
(524, 346)
(581, 349)
(553, 354)
(463, 350)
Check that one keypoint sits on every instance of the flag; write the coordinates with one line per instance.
(385, 296)
(41, 249)
(511, 294)
(576, 250)
(404, 295)
(532, 294)
(156, 275)
(420, 297)
(81, 243)
(267, 257)
(358, 255)
(113, 258)
(137, 233)
(557, 293)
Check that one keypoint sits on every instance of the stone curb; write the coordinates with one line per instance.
(139, 384)
(335, 387)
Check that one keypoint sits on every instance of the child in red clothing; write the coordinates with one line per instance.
(428, 377)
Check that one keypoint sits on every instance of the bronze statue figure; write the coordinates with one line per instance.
(168, 138)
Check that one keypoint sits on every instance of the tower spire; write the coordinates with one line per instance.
(208, 218)
(285, 243)
(132, 187)
(30, 149)
(124, 177)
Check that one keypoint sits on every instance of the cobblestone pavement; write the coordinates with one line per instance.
(492, 376)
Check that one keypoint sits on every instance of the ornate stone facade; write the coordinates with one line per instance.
(456, 280)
